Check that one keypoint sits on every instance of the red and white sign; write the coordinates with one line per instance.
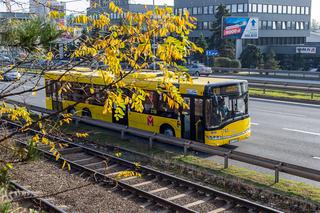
(232, 30)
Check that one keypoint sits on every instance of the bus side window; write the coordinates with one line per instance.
(48, 88)
(149, 103)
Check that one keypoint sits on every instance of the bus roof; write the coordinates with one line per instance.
(147, 80)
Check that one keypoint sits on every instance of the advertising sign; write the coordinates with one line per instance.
(240, 27)
(306, 50)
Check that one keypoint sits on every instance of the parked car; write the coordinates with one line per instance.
(11, 75)
(314, 69)
(199, 69)
(4, 58)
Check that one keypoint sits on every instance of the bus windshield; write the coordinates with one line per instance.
(223, 108)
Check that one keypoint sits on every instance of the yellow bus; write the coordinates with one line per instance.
(218, 112)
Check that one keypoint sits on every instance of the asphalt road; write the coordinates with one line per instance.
(282, 131)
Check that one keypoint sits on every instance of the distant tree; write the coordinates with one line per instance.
(270, 61)
(251, 57)
(226, 47)
(30, 34)
(201, 42)
(315, 24)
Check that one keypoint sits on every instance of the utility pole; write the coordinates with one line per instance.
(154, 44)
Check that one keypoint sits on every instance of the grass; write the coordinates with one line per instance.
(284, 94)
(288, 187)
(104, 136)
(261, 180)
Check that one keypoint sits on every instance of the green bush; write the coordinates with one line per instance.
(235, 64)
(222, 62)
(227, 62)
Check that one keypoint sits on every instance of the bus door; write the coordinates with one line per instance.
(192, 120)
(56, 96)
(122, 121)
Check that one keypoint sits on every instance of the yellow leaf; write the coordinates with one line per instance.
(64, 164)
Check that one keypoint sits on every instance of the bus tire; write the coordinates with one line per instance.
(72, 111)
(197, 74)
(86, 113)
(167, 130)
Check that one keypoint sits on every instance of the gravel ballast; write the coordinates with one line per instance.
(84, 196)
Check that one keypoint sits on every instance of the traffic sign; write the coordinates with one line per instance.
(212, 52)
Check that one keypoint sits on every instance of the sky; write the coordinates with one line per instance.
(81, 5)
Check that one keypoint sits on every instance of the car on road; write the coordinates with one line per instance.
(11, 75)
(199, 69)
(4, 59)
(314, 69)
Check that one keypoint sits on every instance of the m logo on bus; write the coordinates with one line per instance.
(150, 120)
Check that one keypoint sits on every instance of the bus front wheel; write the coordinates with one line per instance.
(167, 130)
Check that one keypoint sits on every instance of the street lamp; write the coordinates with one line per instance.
(154, 44)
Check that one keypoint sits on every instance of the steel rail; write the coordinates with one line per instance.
(43, 203)
(146, 170)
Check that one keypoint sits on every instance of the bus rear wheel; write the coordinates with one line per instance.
(86, 113)
(167, 130)
(72, 111)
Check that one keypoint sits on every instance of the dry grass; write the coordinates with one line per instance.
(284, 94)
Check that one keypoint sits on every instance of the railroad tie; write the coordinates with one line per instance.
(179, 196)
(129, 178)
(144, 183)
(93, 164)
(148, 203)
(161, 189)
(228, 205)
(84, 159)
(198, 202)
(113, 173)
(106, 168)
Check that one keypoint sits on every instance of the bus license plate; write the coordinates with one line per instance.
(233, 140)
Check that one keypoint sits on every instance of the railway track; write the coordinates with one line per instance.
(160, 191)
(30, 200)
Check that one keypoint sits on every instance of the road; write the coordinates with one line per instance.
(282, 131)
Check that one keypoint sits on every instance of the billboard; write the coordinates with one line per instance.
(240, 27)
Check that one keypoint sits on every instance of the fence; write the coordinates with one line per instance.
(288, 73)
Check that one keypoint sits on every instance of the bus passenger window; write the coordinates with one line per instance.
(48, 88)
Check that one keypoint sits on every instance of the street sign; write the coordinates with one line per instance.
(306, 50)
(212, 52)
(240, 27)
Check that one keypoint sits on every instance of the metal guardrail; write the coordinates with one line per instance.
(227, 154)
(286, 87)
(288, 73)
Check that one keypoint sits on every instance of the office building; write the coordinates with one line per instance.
(281, 22)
